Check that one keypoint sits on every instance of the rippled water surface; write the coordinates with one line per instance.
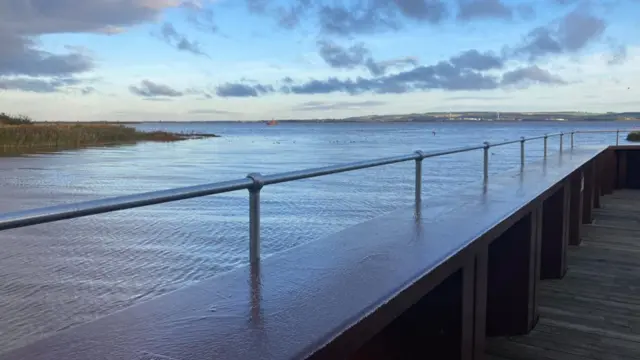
(58, 275)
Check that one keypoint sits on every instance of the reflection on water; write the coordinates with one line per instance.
(16, 151)
(58, 275)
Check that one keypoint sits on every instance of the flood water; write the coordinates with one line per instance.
(59, 275)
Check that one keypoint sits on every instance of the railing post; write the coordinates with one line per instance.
(419, 177)
(546, 137)
(617, 137)
(561, 138)
(522, 151)
(254, 216)
(486, 161)
(572, 139)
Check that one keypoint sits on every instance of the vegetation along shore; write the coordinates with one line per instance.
(22, 132)
(634, 136)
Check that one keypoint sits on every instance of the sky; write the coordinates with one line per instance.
(171, 60)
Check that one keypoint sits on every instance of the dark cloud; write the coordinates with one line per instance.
(470, 70)
(442, 76)
(243, 90)
(350, 17)
(171, 36)
(339, 57)
(571, 33)
(358, 55)
(36, 85)
(87, 90)
(290, 17)
(25, 66)
(340, 105)
(353, 16)
(341, 20)
(378, 68)
(432, 11)
(473, 9)
(151, 89)
(530, 74)
(473, 59)
(19, 56)
(71, 16)
(455, 74)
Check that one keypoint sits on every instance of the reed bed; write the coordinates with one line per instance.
(56, 135)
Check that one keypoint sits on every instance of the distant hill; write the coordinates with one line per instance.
(491, 116)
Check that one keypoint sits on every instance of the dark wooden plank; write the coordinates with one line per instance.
(597, 187)
(588, 192)
(576, 208)
(608, 172)
(613, 171)
(594, 311)
(633, 169)
(622, 169)
(514, 262)
(482, 273)
(555, 222)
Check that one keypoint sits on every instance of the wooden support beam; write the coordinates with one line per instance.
(514, 272)
(575, 213)
(555, 233)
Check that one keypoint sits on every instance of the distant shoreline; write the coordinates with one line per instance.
(434, 117)
(346, 121)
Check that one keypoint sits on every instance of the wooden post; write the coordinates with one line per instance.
(575, 213)
(482, 273)
(622, 169)
(514, 272)
(597, 186)
(588, 192)
(555, 233)
(610, 171)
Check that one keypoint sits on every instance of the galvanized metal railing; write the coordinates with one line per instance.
(254, 183)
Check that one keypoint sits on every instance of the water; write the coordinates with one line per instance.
(58, 275)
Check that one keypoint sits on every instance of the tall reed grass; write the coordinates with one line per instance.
(42, 135)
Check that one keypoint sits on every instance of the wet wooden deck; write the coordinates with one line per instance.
(594, 312)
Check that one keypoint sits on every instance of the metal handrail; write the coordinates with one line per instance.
(254, 183)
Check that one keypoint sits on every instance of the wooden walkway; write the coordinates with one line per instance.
(594, 312)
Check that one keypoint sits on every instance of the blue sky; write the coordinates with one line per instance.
(262, 59)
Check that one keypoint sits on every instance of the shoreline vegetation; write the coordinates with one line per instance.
(633, 136)
(21, 132)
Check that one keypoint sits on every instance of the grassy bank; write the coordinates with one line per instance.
(21, 132)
